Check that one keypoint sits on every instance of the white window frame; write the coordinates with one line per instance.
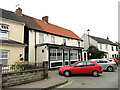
(52, 39)
(106, 46)
(64, 41)
(7, 58)
(41, 38)
(101, 46)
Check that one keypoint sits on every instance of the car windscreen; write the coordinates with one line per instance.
(73, 64)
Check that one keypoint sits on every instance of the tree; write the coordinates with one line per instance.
(94, 53)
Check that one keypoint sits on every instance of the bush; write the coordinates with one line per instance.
(24, 65)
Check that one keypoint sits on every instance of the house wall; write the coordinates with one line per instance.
(16, 30)
(110, 52)
(58, 40)
(47, 39)
(31, 45)
(14, 52)
(42, 56)
(86, 42)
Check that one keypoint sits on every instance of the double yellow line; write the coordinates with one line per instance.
(67, 84)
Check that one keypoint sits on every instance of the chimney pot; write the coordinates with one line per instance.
(107, 38)
(45, 19)
(19, 11)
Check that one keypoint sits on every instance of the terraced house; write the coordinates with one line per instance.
(48, 42)
(102, 44)
(11, 38)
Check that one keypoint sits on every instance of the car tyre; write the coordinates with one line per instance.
(67, 73)
(95, 73)
(110, 69)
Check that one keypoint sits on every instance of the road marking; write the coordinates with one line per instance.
(67, 84)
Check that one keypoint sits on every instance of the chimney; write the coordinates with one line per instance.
(107, 38)
(19, 11)
(45, 19)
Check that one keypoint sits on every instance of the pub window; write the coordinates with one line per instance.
(52, 39)
(66, 54)
(64, 41)
(112, 48)
(41, 38)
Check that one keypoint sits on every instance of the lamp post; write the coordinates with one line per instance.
(88, 42)
(88, 37)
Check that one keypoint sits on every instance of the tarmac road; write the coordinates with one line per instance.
(106, 80)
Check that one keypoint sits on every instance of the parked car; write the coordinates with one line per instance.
(112, 60)
(106, 64)
(81, 67)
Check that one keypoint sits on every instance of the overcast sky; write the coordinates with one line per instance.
(100, 16)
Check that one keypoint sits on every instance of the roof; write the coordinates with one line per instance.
(57, 30)
(9, 15)
(36, 24)
(102, 40)
(11, 42)
(30, 22)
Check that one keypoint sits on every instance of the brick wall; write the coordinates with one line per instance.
(22, 77)
(11, 79)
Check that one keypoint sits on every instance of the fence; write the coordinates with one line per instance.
(21, 73)
(21, 66)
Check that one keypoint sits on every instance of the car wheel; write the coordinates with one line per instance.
(110, 69)
(95, 73)
(67, 73)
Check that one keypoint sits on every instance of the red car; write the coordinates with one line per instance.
(81, 67)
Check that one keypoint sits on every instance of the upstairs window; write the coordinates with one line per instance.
(101, 46)
(52, 39)
(4, 29)
(112, 48)
(41, 38)
(64, 41)
(116, 48)
(78, 43)
(106, 47)
(3, 35)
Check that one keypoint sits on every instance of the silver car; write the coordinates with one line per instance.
(105, 64)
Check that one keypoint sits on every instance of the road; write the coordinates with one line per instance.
(106, 80)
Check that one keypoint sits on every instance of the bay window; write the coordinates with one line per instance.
(56, 54)
(4, 29)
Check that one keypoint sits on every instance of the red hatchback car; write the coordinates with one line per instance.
(81, 67)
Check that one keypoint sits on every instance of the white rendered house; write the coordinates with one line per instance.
(102, 44)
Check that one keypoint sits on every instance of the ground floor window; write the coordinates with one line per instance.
(4, 57)
(73, 54)
(56, 54)
(66, 54)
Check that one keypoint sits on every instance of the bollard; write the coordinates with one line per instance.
(45, 65)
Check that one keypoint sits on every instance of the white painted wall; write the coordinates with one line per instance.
(47, 39)
(86, 42)
(42, 56)
(58, 40)
(31, 46)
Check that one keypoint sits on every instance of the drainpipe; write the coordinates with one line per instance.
(35, 49)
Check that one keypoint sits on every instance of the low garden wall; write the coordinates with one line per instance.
(24, 76)
(0, 76)
(27, 76)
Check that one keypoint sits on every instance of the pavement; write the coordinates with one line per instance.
(54, 79)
